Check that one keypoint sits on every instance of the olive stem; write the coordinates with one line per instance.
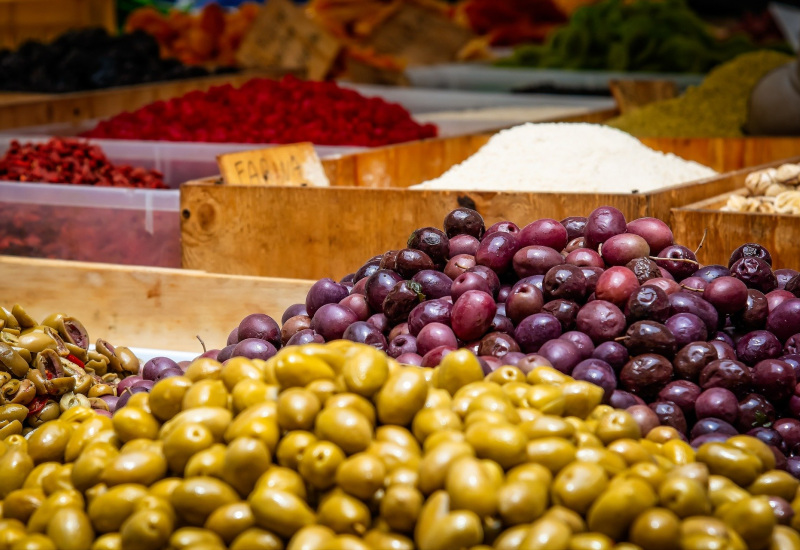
(201, 343)
(702, 241)
(692, 289)
(621, 338)
(686, 260)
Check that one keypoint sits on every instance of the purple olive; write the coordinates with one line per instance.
(602, 224)
(306, 336)
(683, 393)
(433, 284)
(774, 379)
(380, 322)
(565, 311)
(463, 244)
(434, 335)
(464, 221)
(291, 311)
(645, 375)
(687, 328)
(156, 366)
(597, 372)
(364, 333)
(757, 346)
(620, 399)
(378, 287)
(678, 260)
(431, 311)
(169, 373)
(497, 250)
(613, 353)
(544, 232)
(575, 226)
(410, 359)
(435, 356)
(717, 403)
(562, 354)
(533, 331)
(601, 321)
(472, 314)
(404, 343)
(324, 291)
(331, 320)
(784, 276)
(750, 250)
(755, 273)
(657, 233)
(784, 320)
(255, 348)
(535, 260)
(711, 272)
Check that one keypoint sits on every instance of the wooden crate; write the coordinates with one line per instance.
(145, 307)
(779, 233)
(44, 20)
(19, 110)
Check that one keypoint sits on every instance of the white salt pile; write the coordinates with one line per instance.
(568, 158)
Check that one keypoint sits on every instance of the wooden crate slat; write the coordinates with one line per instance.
(143, 306)
(45, 20)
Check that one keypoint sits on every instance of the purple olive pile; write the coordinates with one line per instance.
(709, 350)
(48, 367)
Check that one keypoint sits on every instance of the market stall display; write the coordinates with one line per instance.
(716, 108)
(567, 158)
(268, 111)
(22, 20)
(89, 59)
(643, 35)
(210, 37)
(745, 213)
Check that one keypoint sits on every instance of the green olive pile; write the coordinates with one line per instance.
(48, 368)
(338, 446)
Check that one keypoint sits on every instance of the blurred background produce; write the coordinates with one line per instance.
(716, 108)
(89, 59)
(208, 37)
(642, 35)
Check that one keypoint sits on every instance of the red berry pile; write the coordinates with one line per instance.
(270, 111)
(72, 161)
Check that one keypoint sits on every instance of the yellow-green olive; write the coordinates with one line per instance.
(109, 511)
(297, 409)
(246, 458)
(196, 498)
(281, 512)
(361, 475)
(230, 521)
(166, 397)
(347, 428)
(147, 529)
(257, 539)
(292, 447)
(70, 529)
(184, 442)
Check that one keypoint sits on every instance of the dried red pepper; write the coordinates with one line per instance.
(270, 111)
(73, 161)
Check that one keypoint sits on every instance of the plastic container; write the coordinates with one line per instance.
(110, 225)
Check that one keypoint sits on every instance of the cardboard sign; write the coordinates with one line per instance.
(420, 36)
(283, 36)
(294, 165)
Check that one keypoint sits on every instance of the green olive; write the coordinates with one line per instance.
(257, 539)
(208, 462)
(87, 470)
(656, 529)
(203, 369)
(297, 409)
(458, 369)
(58, 480)
(189, 538)
(311, 537)
(47, 443)
(70, 529)
(590, 541)
(237, 369)
(196, 498)
(15, 465)
(85, 434)
(22, 503)
(785, 538)
(578, 485)
(215, 419)
(246, 459)
(109, 511)
(429, 421)
(437, 398)
(147, 529)
(365, 370)
(612, 463)
(184, 442)
(347, 428)
(616, 425)
(726, 460)
(294, 369)
(281, 512)
(349, 400)
(361, 475)
(614, 510)
(344, 514)
(248, 392)
(109, 541)
(13, 411)
(248, 421)
(775, 482)
(551, 452)
(323, 388)
(144, 467)
(167, 396)
(754, 447)
(440, 529)
(547, 534)
(12, 361)
(531, 472)
(35, 477)
(684, 496)
(753, 519)
(400, 507)
(402, 397)
(230, 521)
(292, 446)
(205, 393)
(472, 486)
(521, 501)
(165, 487)
(435, 464)
(547, 426)
(319, 464)
(505, 444)
(35, 541)
(391, 541)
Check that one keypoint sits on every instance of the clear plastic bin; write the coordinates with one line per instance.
(91, 224)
